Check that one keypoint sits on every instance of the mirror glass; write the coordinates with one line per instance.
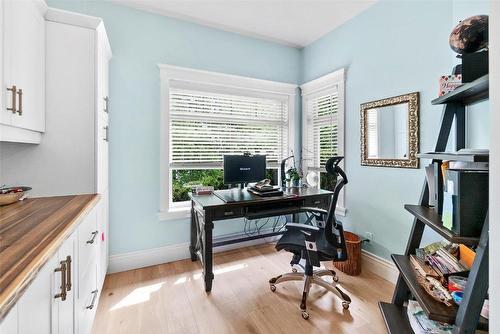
(387, 135)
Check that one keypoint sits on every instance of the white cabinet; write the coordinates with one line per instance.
(77, 107)
(63, 297)
(35, 306)
(23, 78)
(103, 226)
(9, 323)
(63, 319)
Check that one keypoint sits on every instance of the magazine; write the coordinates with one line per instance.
(421, 324)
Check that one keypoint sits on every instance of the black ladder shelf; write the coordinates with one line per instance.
(465, 317)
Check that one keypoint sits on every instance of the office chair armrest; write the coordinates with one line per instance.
(313, 210)
(311, 230)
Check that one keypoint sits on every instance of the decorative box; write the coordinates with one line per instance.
(448, 83)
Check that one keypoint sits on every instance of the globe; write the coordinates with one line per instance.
(470, 35)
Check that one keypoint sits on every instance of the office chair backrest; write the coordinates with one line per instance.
(332, 168)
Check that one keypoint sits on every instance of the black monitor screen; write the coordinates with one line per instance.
(244, 168)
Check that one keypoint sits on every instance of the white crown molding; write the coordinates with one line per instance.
(208, 24)
(81, 20)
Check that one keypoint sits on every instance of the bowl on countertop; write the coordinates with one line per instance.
(11, 195)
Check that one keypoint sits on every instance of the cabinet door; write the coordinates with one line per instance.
(5, 115)
(63, 314)
(24, 60)
(35, 306)
(102, 155)
(103, 242)
(86, 304)
(9, 323)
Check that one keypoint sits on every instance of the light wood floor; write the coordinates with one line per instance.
(170, 298)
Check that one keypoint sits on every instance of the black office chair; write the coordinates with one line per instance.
(324, 242)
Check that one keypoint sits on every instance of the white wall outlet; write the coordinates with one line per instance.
(369, 236)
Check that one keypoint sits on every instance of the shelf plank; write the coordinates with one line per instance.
(396, 318)
(468, 93)
(434, 309)
(429, 217)
(455, 156)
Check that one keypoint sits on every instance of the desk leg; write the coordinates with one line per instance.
(194, 234)
(208, 253)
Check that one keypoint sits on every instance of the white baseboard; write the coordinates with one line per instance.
(379, 266)
(154, 256)
(150, 257)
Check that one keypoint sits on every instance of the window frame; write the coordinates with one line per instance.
(327, 84)
(187, 78)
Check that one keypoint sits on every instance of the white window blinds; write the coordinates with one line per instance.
(205, 126)
(322, 129)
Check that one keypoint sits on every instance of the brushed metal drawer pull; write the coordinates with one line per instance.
(68, 271)
(62, 270)
(94, 234)
(92, 304)
(106, 133)
(20, 110)
(13, 89)
(228, 213)
(316, 202)
(106, 100)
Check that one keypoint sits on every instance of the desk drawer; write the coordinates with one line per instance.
(317, 202)
(225, 213)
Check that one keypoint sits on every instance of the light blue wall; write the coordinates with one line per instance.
(390, 49)
(478, 120)
(140, 41)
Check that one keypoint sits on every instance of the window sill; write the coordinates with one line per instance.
(174, 213)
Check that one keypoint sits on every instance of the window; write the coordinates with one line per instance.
(323, 126)
(206, 115)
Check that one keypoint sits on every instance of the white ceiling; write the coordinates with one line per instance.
(295, 23)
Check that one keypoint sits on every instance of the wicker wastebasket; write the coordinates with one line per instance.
(353, 264)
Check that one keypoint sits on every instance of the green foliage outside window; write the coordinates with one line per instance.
(184, 179)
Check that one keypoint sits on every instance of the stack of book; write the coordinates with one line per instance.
(265, 190)
(436, 260)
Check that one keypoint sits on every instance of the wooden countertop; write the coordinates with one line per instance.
(31, 231)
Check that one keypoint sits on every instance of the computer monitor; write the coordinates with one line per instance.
(244, 168)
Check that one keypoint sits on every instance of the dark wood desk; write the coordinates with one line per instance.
(205, 209)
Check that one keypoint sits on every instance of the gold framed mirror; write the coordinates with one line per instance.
(390, 132)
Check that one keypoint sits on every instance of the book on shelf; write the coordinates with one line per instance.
(439, 256)
(422, 268)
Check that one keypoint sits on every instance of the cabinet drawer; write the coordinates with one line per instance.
(88, 241)
(317, 202)
(225, 213)
(87, 301)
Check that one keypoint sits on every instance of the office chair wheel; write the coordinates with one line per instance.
(294, 270)
(272, 287)
(305, 315)
(335, 279)
(345, 305)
